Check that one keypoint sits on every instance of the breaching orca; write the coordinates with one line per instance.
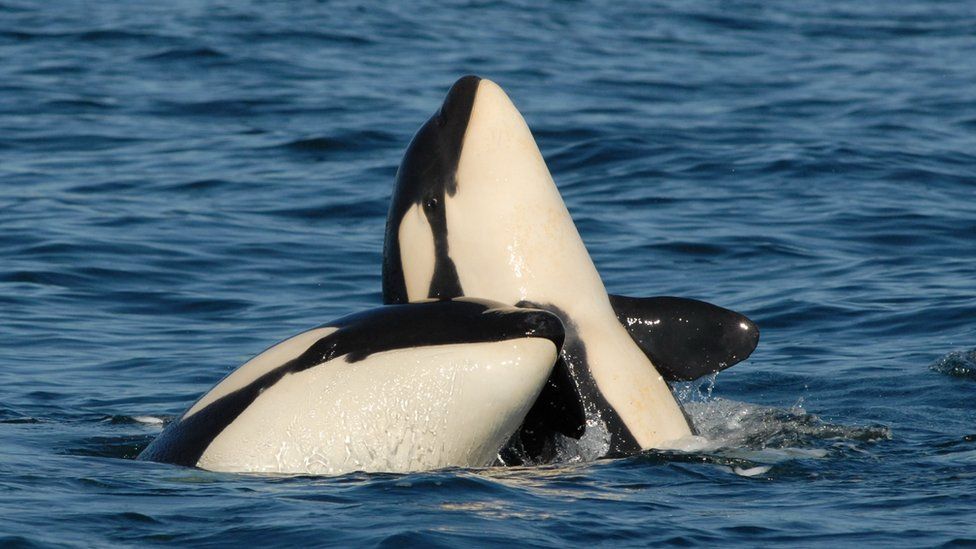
(399, 388)
(476, 213)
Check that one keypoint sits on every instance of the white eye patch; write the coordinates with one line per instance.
(417, 256)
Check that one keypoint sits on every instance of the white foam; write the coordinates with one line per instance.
(148, 420)
(594, 444)
(751, 471)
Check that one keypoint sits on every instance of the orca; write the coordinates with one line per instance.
(475, 212)
(399, 388)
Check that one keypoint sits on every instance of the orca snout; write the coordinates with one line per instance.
(456, 107)
(475, 97)
(745, 336)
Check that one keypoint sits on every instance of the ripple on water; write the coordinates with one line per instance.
(185, 54)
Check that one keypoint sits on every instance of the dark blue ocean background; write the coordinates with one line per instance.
(184, 183)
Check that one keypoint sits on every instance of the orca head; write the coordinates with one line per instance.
(416, 224)
(473, 200)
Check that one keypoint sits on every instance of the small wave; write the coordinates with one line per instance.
(184, 54)
(197, 185)
(307, 36)
(317, 144)
(219, 107)
(159, 303)
(20, 36)
(688, 248)
(957, 364)
(135, 420)
(12, 8)
(331, 211)
(78, 105)
(108, 187)
(597, 151)
(136, 433)
(345, 142)
(78, 142)
(91, 36)
(115, 35)
(118, 447)
(19, 420)
(42, 278)
(10, 416)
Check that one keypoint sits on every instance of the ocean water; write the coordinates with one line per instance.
(183, 184)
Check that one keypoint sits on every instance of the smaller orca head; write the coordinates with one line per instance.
(473, 195)
(686, 338)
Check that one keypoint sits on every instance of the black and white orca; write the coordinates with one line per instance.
(475, 212)
(398, 388)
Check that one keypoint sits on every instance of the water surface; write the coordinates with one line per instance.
(184, 184)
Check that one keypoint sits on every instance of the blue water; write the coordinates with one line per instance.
(184, 184)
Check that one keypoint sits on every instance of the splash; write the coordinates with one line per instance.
(727, 424)
(594, 444)
(748, 438)
(957, 364)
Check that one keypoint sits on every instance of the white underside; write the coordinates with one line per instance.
(397, 411)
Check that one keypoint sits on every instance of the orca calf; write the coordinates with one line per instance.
(476, 213)
(399, 388)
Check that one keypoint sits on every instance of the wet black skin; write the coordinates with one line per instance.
(685, 338)
(359, 336)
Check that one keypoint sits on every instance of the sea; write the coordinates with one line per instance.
(184, 183)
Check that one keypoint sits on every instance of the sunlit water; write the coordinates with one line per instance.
(184, 184)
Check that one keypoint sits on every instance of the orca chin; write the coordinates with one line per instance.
(475, 212)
